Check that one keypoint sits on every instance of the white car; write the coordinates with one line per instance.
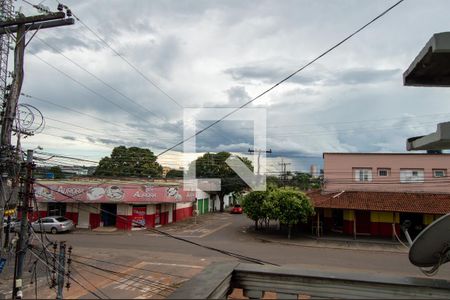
(53, 224)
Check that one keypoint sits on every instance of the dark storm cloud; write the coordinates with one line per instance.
(70, 138)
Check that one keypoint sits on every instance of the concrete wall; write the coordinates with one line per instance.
(339, 172)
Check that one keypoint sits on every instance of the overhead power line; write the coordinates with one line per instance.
(98, 78)
(127, 61)
(88, 88)
(225, 252)
(284, 79)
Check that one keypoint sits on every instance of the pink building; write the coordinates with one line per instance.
(373, 193)
(389, 172)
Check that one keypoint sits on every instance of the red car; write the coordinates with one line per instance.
(237, 209)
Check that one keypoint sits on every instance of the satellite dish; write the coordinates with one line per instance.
(431, 248)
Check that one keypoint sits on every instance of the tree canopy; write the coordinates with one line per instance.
(213, 165)
(174, 174)
(57, 172)
(129, 162)
(286, 205)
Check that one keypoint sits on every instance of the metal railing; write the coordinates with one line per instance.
(218, 281)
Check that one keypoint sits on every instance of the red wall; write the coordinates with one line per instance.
(164, 218)
(94, 220)
(124, 222)
(72, 216)
(348, 227)
(150, 221)
(34, 216)
(383, 229)
(183, 213)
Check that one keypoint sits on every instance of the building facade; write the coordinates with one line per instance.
(123, 205)
(374, 193)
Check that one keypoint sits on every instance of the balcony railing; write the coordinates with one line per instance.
(218, 281)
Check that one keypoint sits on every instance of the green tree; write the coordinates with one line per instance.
(302, 181)
(57, 172)
(252, 204)
(292, 207)
(174, 174)
(133, 162)
(212, 165)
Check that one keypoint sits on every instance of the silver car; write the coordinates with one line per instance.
(53, 224)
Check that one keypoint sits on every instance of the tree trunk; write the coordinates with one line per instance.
(256, 224)
(221, 196)
(289, 231)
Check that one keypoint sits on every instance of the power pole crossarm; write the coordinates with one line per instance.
(32, 19)
(259, 151)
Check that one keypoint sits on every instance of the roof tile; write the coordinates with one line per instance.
(384, 201)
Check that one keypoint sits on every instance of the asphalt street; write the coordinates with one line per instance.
(143, 257)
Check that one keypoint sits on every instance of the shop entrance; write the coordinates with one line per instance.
(362, 218)
(416, 223)
(56, 209)
(109, 212)
(338, 220)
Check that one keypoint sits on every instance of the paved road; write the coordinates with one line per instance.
(176, 261)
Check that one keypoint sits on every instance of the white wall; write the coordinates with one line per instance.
(151, 209)
(124, 209)
(42, 206)
(226, 201)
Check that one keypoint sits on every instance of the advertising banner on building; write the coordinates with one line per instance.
(139, 215)
(117, 193)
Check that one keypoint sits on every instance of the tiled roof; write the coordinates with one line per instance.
(384, 201)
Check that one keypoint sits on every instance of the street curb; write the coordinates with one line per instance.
(329, 246)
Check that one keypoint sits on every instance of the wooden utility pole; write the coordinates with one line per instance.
(20, 26)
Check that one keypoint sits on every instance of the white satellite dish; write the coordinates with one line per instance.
(431, 248)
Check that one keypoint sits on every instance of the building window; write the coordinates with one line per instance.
(439, 173)
(363, 175)
(411, 176)
(384, 172)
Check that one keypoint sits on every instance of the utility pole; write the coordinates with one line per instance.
(61, 270)
(20, 26)
(259, 151)
(283, 171)
(26, 196)
(6, 12)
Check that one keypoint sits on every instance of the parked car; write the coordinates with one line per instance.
(53, 224)
(237, 209)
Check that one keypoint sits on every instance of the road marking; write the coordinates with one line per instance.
(171, 265)
(217, 229)
(209, 232)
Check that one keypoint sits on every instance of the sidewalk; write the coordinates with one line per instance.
(332, 242)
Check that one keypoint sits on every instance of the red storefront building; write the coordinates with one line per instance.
(124, 205)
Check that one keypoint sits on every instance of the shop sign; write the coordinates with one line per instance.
(127, 193)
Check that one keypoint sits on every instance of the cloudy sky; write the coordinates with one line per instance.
(221, 54)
